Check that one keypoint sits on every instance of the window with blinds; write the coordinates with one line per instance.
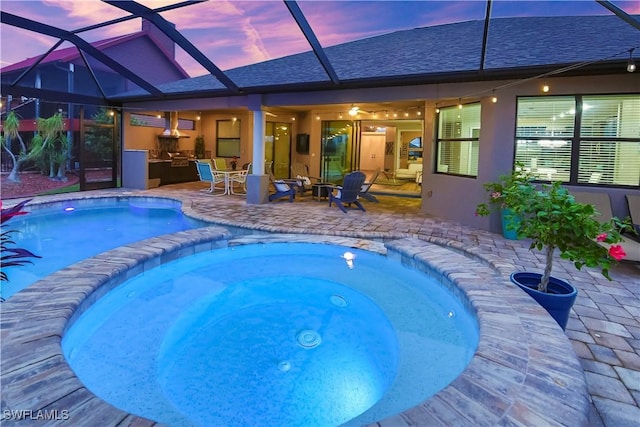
(228, 138)
(604, 150)
(610, 140)
(458, 140)
(544, 128)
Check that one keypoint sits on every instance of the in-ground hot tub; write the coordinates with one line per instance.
(273, 334)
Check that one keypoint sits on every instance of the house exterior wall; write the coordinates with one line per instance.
(145, 137)
(497, 150)
(144, 58)
(447, 196)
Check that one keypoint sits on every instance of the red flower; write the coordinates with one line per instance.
(616, 252)
(601, 237)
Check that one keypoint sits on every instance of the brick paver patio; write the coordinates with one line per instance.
(604, 328)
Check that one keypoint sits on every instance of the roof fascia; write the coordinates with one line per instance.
(301, 20)
(53, 95)
(35, 64)
(176, 36)
(80, 43)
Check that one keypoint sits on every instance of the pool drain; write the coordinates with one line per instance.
(309, 339)
(284, 366)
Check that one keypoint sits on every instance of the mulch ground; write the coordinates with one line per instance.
(32, 184)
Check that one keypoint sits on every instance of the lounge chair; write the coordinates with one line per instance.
(268, 166)
(348, 192)
(364, 192)
(300, 172)
(602, 203)
(633, 201)
(282, 188)
(207, 174)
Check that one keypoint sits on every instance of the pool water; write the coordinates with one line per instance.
(75, 230)
(272, 335)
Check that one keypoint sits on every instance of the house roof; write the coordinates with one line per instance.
(71, 53)
(450, 52)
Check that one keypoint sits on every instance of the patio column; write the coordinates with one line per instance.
(258, 181)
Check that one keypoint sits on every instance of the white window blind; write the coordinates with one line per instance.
(610, 140)
(612, 116)
(546, 116)
(458, 157)
(609, 162)
(544, 128)
(548, 160)
(228, 138)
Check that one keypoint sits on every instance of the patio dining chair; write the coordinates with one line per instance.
(207, 174)
(240, 178)
(219, 163)
(364, 192)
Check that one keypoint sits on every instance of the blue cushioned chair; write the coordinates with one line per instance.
(283, 188)
(207, 174)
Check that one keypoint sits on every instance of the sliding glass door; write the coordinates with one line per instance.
(278, 148)
(340, 149)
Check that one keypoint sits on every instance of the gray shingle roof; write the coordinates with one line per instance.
(522, 42)
(513, 44)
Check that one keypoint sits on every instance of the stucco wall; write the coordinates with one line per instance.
(447, 196)
(455, 197)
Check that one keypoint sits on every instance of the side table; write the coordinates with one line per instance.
(320, 190)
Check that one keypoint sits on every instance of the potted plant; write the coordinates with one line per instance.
(551, 217)
(234, 162)
(199, 147)
(504, 193)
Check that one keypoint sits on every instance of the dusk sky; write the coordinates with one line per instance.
(235, 33)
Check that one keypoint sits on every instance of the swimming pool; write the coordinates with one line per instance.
(63, 233)
(523, 366)
(275, 334)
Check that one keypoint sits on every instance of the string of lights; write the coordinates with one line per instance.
(631, 67)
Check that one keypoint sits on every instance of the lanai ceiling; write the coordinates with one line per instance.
(316, 31)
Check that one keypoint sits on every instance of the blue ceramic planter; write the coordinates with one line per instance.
(558, 299)
(508, 221)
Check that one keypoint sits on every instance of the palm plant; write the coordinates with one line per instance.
(11, 131)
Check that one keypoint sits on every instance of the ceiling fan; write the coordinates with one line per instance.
(354, 111)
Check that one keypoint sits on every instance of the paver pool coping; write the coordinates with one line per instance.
(524, 372)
